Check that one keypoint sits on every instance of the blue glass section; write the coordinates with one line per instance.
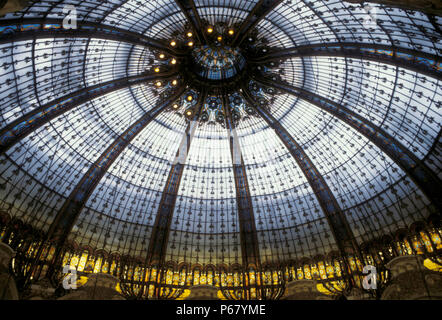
(217, 63)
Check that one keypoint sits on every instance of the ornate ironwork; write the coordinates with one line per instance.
(261, 283)
(249, 239)
(66, 217)
(261, 9)
(141, 281)
(338, 223)
(208, 55)
(160, 231)
(27, 29)
(26, 124)
(423, 176)
(188, 7)
(414, 60)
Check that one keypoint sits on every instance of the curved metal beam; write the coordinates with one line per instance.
(417, 61)
(422, 176)
(247, 226)
(338, 223)
(156, 252)
(69, 212)
(33, 120)
(27, 29)
(188, 8)
(433, 21)
(261, 9)
(428, 6)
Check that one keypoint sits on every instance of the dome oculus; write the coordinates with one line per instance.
(218, 63)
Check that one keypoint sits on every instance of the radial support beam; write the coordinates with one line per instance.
(69, 212)
(261, 9)
(33, 120)
(427, 6)
(189, 10)
(27, 29)
(417, 61)
(160, 231)
(433, 20)
(248, 234)
(338, 223)
(422, 176)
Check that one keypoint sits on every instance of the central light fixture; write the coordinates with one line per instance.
(211, 64)
(217, 62)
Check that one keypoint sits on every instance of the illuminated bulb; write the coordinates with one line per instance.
(209, 30)
(189, 98)
(162, 56)
(190, 43)
(189, 113)
(220, 38)
(173, 61)
(174, 82)
(231, 32)
(173, 43)
(175, 106)
(157, 69)
(189, 34)
(158, 84)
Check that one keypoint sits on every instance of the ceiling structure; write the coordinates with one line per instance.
(220, 132)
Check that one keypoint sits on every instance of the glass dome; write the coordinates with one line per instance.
(318, 129)
(218, 63)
